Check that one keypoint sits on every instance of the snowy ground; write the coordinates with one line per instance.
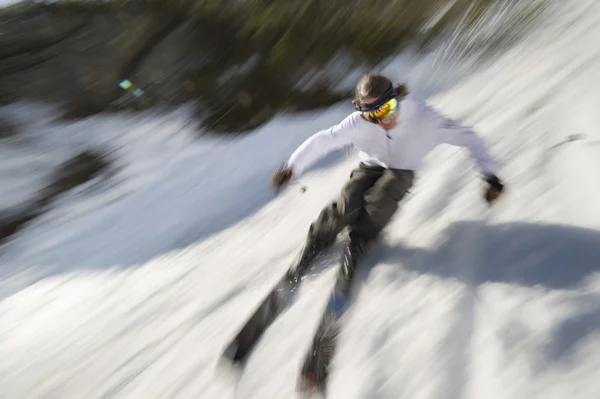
(130, 287)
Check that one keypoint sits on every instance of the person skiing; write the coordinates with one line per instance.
(393, 134)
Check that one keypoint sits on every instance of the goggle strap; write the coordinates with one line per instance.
(385, 97)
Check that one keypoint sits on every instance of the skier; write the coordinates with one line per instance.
(393, 134)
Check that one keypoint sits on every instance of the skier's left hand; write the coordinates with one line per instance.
(494, 190)
(281, 178)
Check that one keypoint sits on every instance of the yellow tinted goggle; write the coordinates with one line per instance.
(385, 111)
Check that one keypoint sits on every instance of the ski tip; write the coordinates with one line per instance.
(231, 353)
(228, 363)
(232, 370)
(308, 386)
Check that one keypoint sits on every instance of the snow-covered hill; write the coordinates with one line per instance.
(130, 287)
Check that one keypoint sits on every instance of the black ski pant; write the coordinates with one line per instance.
(366, 204)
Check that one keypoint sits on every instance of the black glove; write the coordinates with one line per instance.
(494, 189)
(281, 177)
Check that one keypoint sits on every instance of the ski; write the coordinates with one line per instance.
(315, 370)
(271, 307)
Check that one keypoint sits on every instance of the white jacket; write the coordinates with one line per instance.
(418, 131)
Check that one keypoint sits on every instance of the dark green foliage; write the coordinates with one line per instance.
(261, 49)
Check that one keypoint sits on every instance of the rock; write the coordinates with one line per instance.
(8, 129)
(12, 221)
(78, 170)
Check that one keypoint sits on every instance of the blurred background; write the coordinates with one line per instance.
(138, 229)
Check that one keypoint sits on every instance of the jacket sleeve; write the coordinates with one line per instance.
(450, 131)
(321, 143)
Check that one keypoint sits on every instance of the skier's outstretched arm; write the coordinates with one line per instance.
(453, 132)
(320, 144)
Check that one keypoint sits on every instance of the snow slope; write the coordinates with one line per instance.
(130, 287)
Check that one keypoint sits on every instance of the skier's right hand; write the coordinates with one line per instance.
(494, 190)
(281, 178)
